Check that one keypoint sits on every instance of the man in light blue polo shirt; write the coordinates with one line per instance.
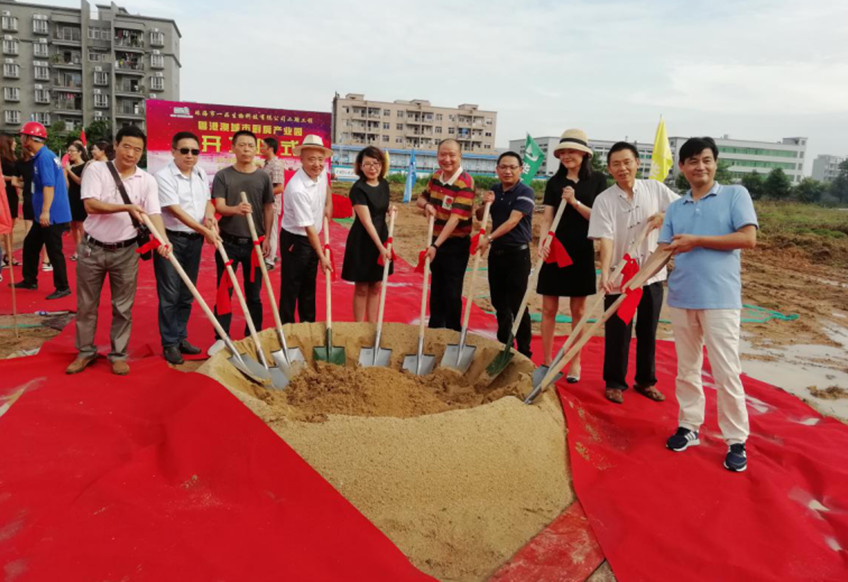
(51, 210)
(706, 229)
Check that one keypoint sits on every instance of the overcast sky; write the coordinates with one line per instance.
(753, 69)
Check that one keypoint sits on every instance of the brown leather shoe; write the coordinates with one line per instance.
(615, 395)
(80, 363)
(120, 367)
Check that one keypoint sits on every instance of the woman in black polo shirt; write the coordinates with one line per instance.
(578, 186)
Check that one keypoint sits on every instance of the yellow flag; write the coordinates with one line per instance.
(661, 158)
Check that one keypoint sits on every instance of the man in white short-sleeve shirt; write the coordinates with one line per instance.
(109, 247)
(305, 204)
(619, 216)
(189, 218)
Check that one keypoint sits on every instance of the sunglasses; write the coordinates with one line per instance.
(186, 151)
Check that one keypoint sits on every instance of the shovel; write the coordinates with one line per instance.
(236, 359)
(274, 374)
(328, 353)
(459, 356)
(378, 356)
(540, 372)
(420, 363)
(503, 359)
(288, 360)
(654, 263)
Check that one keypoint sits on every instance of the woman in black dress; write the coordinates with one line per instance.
(10, 184)
(77, 158)
(366, 239)
(576, 185)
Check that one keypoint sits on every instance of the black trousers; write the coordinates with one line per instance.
(617, 340)
(240, 254)
(51, 237)
(298, 269)
(448, 270)
(508, 273)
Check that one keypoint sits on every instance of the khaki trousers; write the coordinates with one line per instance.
(719, 330)
(93, 264)
(274, 236)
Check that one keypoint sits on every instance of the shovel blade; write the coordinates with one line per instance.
(539, 375)
(279, 379)
(500, 362)
(457, 358)
(374, 357)
(251, 368)
(329, 354)
(420, 364)
(290, 367)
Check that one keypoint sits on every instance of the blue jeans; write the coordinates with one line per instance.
(240, 254)
(174, 297)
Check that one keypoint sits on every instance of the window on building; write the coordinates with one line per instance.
(101, 100)
(42, 118)
(11, 93)
(400, 114)
(11, 116)
(387, 112)
(96, 56)
(385, 139)
(438, 117)
(398, 140)
(157, 61)
(40, 49)
(101, 78)
(438, 129)
(11, 70)
(42, 73)
(387, 125)
(39, 24)
(488, 121)
(157, 83)
(399, 127)
(157, 38)
(42, 96)
(451, 130)
(10, 46)
(9, 23)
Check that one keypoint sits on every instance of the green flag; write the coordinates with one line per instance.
(533, 158)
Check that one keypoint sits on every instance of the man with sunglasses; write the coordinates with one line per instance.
(513, 203)
(189, 218)
(618, 218)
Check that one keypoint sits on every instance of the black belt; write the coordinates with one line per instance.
(110, 246)
(502, 250)
(236, 240)
(181, 234)
(287, 233)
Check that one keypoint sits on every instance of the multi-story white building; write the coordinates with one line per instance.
(409, 125)
(600, 146)
(826, 167)
(749, 156)
(79, 65)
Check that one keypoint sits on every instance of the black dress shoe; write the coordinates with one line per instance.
(172, 355)
(24, 285)
(189, 349)
(59, 293)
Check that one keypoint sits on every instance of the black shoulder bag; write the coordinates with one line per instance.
(143, 236)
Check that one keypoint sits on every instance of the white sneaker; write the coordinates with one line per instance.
(215, 348)
(46, 267)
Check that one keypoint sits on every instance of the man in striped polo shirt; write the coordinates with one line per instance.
(450, 198)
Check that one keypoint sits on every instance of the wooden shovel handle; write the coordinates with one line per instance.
(421, 321)
(266, 278)
(474, 266)
(386, 266)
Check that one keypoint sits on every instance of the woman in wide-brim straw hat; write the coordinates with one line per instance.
(577, 186)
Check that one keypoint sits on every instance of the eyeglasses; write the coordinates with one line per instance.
(372, 165)
(508, 168)
(187, 151)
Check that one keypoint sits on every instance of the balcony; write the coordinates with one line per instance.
(67, 35)
(68, 81)
(130, 88)
(129, 110)
(128, 63)
(130, 44)
(67, 59)
(68, 103)
(157, 39)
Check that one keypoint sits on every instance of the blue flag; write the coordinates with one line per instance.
(410, 179)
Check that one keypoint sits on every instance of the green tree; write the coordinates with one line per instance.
(681, 183)
(599, 166)
(777, 185)
(839, 186)
(754, 183)
(57, 134)
(810, 191)
(98, 129)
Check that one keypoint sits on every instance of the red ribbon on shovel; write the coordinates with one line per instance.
(422, 256)
(557, 253)
(627, 309)
(254, 259)
(380, 260)
(475, 240)
(150, 245)
(223, 305)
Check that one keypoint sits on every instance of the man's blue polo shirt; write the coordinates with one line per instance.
(706, 278)
(520, 198)
(47, 172)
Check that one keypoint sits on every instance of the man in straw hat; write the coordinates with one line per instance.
(229, 183)
(305, 204)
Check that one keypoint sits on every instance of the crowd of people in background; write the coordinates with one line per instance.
(102, 197)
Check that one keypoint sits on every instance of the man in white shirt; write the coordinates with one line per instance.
(305, 204)
(109, 247)
(618, 217)
(189, 217)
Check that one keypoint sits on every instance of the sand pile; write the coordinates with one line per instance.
(457, 473)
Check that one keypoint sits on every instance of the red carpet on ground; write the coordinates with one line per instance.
(163, 475)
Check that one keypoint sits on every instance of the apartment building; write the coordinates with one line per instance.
(826, 167)
(78, 65)
(411, 125)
